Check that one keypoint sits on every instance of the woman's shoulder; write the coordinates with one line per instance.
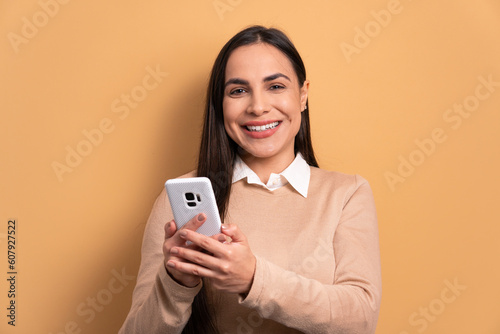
(188, 174)
(326, 179)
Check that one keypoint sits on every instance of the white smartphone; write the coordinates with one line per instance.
(190, 196)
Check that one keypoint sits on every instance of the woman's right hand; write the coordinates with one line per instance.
(172, 239)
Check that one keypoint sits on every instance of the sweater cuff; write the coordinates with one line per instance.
(251, 300)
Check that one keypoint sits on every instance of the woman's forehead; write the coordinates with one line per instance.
(258, 60)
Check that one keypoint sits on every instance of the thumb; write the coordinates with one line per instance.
(234, 232)
(170, 229)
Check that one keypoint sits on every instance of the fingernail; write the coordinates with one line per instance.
(201, 216)
(183, 234)
(170, 264)
(224, 226)
(168, 225)
(174, 251)
(222, 238)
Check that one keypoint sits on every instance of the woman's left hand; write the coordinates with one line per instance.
(230, 266)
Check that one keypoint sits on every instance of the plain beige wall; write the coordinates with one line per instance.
(399, 94)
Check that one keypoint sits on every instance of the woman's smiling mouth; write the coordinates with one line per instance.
(260, 128)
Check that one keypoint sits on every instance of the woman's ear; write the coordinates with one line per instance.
(303, 95)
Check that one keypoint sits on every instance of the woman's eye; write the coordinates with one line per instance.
(275, 87)
(237, 91)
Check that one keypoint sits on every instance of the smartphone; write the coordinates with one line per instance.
(190, 196)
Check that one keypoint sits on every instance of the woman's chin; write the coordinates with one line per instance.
(265, 154)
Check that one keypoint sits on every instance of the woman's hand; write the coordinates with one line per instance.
(173, 239)
(230, 266)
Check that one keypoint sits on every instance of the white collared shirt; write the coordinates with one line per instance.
(297, 174)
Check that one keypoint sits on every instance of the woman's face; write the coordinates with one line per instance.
(263, 102)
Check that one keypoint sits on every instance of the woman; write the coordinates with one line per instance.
(298, 250)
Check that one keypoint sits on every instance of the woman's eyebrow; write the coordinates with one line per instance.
(276, 76)
(239, 81)
(236, 81)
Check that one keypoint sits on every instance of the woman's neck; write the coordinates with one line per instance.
(263, 167)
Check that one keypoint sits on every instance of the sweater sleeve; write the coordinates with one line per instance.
(350, 304)
(159, 304)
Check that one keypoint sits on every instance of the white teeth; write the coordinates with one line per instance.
(263, 127)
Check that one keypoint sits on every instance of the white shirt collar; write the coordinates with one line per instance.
(297, 174)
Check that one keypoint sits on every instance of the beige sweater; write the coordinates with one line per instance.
(318, 263)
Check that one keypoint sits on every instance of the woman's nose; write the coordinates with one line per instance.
(258, 104)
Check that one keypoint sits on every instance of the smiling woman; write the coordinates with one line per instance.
(298, 251)
(262, 106)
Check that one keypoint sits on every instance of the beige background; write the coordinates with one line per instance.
(374, 94)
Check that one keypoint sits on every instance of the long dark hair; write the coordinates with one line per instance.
(218, 150)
